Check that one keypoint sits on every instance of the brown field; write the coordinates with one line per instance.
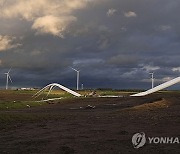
(69, 126)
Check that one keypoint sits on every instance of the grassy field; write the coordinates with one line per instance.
(13, 99)
(18, 99)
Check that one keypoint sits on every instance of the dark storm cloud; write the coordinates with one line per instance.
(124, 60)
(114, 43)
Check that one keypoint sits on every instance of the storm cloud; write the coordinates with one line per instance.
(115, 44)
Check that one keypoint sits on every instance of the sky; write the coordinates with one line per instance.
(114, 43)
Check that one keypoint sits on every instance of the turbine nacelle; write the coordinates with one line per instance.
(75, 69)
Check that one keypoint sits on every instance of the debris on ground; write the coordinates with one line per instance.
(90, 107)
(92, 94)
(28, 105)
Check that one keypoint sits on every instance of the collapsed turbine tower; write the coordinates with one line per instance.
(160, 87)
(52, 86)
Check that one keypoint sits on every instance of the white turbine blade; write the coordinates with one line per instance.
(50, 89)
(68, 90)
(40, 91)
(159, 87)
(9, 78)
(57, 85)
(9, 70)
(74, 69)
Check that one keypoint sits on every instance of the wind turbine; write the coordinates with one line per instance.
(8, 78)
(152, 79)
(77, 77)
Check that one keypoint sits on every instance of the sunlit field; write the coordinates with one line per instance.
(16, 99)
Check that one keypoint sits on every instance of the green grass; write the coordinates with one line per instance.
(19, 105)
(19, 99)
(105, 93)
(14, 99)
(60, 94)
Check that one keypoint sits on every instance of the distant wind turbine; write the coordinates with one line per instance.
(152, 79)
(77, 77)
(8, 78)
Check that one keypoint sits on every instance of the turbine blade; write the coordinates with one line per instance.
(74, 69)
(50, 89)
(9, 70)
(40, 91)
(9, 78)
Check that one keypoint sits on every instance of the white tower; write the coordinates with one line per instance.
(152, 79)
(8, 78)
(78, 72)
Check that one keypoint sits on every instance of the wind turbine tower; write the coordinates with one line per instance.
(152, 79)
(77, 77)
(8, 78)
